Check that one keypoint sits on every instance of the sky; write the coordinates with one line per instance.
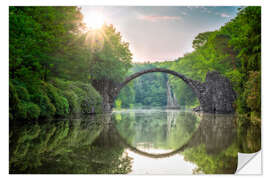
(161, 33)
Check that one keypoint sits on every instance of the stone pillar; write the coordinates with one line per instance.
(105, 87)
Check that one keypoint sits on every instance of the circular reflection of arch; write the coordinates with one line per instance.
(134, 149)
(210, 124)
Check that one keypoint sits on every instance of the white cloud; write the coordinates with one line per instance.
(224, 15)
(154, 18)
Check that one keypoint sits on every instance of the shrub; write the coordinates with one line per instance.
(118, 104)
(253, 91)
(60, 102)
(47, 109)
(64, 105)
(89, 99)
(65, 88)
(73, 101)
(21, 112)
(81, 94)
(33, 111)
(13, 100)
(47, 99)
(61, 84)
(22, 93)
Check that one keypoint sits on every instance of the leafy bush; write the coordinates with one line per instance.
(73, 101)
(66, 88)
(47, 109)
(253, 91)
(13, 99)
(92, 101)
(33, 111)
(58, 97)
(60, 102)
(22, 93)
(118, 104)
(21, 111)
(82, 97)
(64, 105)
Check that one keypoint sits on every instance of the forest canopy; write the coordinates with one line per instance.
(54, 58)
(57, 66)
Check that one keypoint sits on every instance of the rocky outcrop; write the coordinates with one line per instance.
(217, 94)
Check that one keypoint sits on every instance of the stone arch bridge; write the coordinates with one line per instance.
(215, 95)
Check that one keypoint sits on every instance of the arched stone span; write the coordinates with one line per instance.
(215, 95)
(195, 85)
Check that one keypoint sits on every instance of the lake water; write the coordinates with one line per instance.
(132, 142)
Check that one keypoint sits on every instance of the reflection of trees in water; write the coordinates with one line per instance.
(87, 145)
(66, 146)
(214, 145)
(215, 134)
(218, 140)
(249, 135)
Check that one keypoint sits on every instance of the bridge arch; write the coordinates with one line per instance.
(194, 85)
(215, 95)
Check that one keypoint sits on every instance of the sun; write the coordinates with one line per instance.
(94, 20)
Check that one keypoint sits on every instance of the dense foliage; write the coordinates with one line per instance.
(54, 59)
(235, 51)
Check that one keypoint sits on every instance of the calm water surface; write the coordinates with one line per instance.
(132, 142)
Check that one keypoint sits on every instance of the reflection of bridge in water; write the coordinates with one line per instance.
(216, 132)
